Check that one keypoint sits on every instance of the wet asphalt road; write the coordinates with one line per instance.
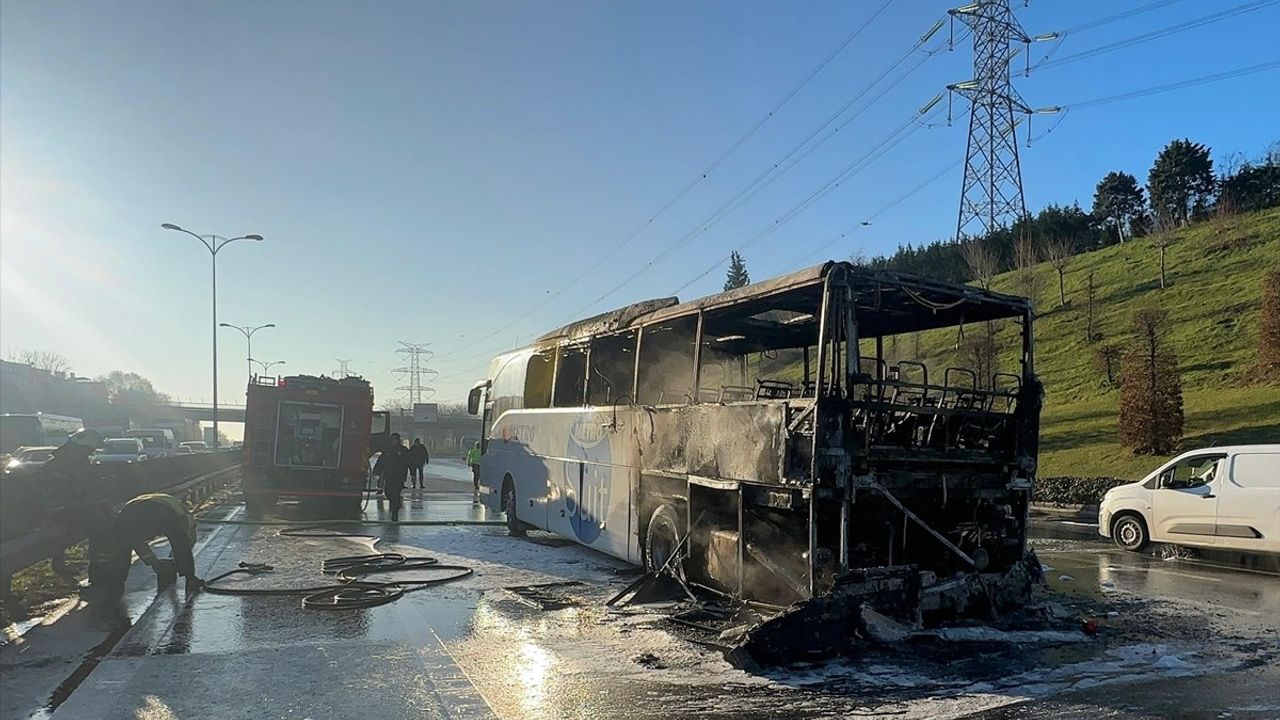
(1179, 639)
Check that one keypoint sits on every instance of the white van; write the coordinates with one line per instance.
(158, 442)
(1223, 497)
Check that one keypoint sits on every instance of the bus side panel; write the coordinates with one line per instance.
(509, 453)
(729, 442)
(582, 464)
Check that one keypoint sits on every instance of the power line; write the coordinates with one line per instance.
(893, 139)
(751, 131)
(1192, 82)
(772, 173)
(1156, 34)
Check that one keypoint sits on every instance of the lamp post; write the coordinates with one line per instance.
(213, 243)
(266, 366)
(248, 331)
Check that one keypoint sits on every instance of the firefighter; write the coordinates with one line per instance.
(473, 460)
(393, 468)
(115, 535)
(68, 475)
(418, 459)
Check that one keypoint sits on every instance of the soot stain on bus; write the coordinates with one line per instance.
(761, 447)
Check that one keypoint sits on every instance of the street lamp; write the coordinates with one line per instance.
(266, 366)
(213, 243)
(248, 331)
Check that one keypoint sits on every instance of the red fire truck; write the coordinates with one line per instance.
(309, 437)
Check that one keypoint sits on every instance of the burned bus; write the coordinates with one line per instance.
(762, 445)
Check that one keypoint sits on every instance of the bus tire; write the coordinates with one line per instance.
(661, 540)
(515, 528)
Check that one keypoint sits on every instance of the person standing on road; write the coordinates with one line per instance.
(418, 459)
(68, 475)
(473, 460)
(114, 536)
(393, 467)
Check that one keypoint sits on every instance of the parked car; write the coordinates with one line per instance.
(26, 459)
(192, 446)
(120, 450)
(1222, 497)
(158, 442)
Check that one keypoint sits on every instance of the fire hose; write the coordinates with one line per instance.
(350, 591)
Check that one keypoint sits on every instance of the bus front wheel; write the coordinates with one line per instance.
(662, 541)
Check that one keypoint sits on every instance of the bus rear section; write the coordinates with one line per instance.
(308, 438)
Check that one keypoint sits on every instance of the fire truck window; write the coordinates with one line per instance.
(571, 377)
(666, 362)
(613, 363)
(537, 381)
(309, 435)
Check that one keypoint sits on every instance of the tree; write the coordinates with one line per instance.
(1181, 182)
(1269, 338)
(50, 362)
(1150, 388)
(1104, 360)
(1090, 335)
(1118, 201)
(1253, 187)
(1025, 257)
(1059, 250)
(982, 261)
(980, 353)
(737, 276)
(123, 387)
(1162, 239)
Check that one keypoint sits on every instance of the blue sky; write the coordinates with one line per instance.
(431, 172)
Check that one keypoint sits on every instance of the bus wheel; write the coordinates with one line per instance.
(514, 527)
(662, 540)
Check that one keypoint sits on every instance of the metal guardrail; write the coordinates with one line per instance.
(39, 522)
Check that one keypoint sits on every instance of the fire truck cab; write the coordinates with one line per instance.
(309, 437)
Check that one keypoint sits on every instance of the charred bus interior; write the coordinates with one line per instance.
(882, 465)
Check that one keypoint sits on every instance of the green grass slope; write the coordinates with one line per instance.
(1213, 296)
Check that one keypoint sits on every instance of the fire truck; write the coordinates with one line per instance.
(310, 437)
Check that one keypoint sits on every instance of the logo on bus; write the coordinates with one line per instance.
(586, 485)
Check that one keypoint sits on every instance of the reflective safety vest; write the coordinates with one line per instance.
(473, 456)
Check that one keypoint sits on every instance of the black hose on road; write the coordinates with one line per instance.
(351, 591)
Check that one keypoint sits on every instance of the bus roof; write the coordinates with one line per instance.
(901, 302)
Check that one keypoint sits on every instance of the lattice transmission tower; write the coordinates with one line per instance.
(343, 370)
(991, 195)
(416, 371)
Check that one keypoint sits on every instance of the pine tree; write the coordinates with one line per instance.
(1118, 201)
(1150, 388)
(737, 276)
(1181, 182)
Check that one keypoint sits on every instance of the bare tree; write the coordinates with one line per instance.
(1059, 251)
(982, 260)
(1105, 358)
(1025, 257)
(50, 362)
(1150, 388)
(1162, 240)
(1090, 334)
(1269, 337)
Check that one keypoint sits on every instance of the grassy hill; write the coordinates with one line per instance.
(1213, 296)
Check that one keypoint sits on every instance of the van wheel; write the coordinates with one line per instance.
(514, 527)
(662, 540)
(1130, 533)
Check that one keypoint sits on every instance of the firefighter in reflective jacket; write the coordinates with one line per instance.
(141, 520)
